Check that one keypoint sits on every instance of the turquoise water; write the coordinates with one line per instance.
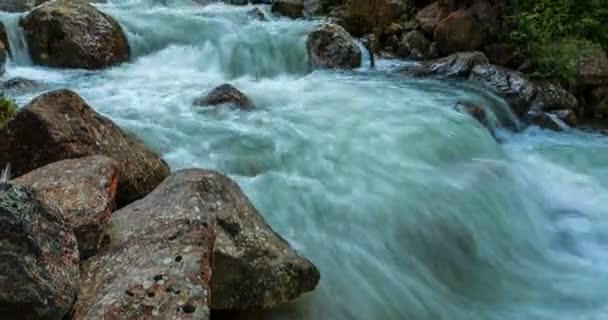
(410, 209)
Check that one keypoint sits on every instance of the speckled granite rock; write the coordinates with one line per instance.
(158, 262)
(85, 190)
(254, 267)
(38, 257)
(60, 125)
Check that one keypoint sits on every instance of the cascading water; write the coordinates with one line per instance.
(18, 46)
(410, 209)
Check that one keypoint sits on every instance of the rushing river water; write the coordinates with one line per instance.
(410, 209)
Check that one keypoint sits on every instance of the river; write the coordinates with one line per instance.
(410, 209)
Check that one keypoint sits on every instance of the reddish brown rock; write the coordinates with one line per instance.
(38, 257)
(458, 32)
(225, 94)
(476, 112)
(158, 262)
(60, 125)
(429, 17)
(74, 34)
(371, 16)
(85, 190)
(289, 8)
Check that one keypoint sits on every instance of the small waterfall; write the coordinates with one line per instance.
(16, 38)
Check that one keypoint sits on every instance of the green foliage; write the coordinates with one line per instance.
(7, 109)
(554, 33)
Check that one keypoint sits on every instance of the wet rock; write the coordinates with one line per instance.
(38, 257)
(459, 31)
(225, 94)
(21, 85)
(551, 96)
(157, 264)
(60, 125)
(254, 267)
(545, 120)
(3, 58)
(455, 65)
(568, 116)
(4, 38)
(289, 8)
(476, 112)
(19, 5)
(511, 85)
(414, 44)
(85, 190)
(429, 17)
(330, 46)
(74, 34)
(257, 14)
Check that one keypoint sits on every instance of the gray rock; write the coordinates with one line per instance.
(157, 264)
(38, 257)
(330, 46)
(551, 96)
(225, 94)
(455, 65)
(511, 85)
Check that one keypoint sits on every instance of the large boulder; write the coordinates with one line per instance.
(430, 16)
(225, 94)
(459, 31)
(74, 34)
(85, 190)
(551, 96)
(289, 8)
(330, 46)
(511, 85)
(414, 44)
(38, 257)
(253, 266)
(60, 125)
(455, 65)
(158, 262)
(371, 16)
(591, 71)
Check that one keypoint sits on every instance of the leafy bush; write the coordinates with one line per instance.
(7, 109)
(554, 33)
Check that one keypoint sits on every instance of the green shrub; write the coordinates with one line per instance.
(7, 109)
(555, 33)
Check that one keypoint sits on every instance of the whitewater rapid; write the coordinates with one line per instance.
(410, 209)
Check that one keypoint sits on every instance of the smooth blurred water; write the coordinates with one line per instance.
(410, 209)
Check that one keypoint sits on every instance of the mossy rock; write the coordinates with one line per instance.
(7, 109)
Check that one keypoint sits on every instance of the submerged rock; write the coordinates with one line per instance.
(253, 266)
(21, 85)
(455, 65)
(158, 262)
(85, 190)
(225, 94)
(60, 125)
(330, 46)
(38, 257)
(74, 34)
(257, 14)
(476, 112)
(289, 8)
(511, 85)
(545, 120)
